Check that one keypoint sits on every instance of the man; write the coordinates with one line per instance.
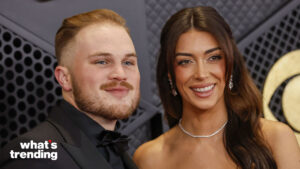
(97, 70)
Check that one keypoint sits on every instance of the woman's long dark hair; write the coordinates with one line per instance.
(243, 138)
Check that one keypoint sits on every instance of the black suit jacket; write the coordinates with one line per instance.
(74, 149)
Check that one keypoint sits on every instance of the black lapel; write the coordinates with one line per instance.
(87, 156)
(76, 143)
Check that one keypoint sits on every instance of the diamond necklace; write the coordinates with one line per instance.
(201, 136)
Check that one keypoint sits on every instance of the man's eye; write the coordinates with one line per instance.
(102, 62)
(215, 57)
(128, 63)
(184, 62)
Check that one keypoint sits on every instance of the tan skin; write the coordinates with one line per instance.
(200, 79)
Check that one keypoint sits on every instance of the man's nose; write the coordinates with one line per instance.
(118, 73)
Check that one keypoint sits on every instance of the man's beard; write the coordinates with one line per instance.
(100, 106)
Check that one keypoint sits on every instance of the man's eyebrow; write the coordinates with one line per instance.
(105, 54)
(131, 55)
(212, 50)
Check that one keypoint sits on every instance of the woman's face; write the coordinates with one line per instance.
(199, 71)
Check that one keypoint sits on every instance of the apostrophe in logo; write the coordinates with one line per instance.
(285, 73)
(36, 150)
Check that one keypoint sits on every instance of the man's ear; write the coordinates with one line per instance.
(63, 77)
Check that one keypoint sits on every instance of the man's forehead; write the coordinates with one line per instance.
(104, 40)
(102, 27)
(104, 34)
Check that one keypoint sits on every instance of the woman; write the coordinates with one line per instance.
(213, 106)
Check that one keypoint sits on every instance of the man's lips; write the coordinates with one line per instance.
(117, 91)
(115, 84)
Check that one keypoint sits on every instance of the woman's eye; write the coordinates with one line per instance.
(215, 57)
(184, 62)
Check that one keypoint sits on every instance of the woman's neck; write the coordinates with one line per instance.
(203, 122)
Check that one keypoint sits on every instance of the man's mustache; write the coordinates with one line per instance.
(114, 84)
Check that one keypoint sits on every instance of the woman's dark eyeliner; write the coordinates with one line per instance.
(183, 62)
(215, 57)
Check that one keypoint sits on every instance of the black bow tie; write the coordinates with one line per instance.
(112, 138)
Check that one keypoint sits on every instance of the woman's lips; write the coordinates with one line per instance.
(204, 91)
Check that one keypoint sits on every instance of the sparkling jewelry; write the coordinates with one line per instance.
(201, 136)
(230, 85)
(173, 90)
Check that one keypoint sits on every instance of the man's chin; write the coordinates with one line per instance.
(117, 111)
(119, 95)
(116, 115)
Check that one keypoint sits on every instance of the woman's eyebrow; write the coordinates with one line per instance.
(212, 50)
(189, 54)
(183, 54)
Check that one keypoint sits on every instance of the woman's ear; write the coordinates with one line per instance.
(63, 77)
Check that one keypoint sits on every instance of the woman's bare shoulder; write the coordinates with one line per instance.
(149, 153)
(275, 132)
(153, 152)
(150, 147)
(283, 143)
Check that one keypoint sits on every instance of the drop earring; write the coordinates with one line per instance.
(230, 85)
(173, 91)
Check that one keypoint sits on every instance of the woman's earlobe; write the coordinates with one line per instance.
(62, 76)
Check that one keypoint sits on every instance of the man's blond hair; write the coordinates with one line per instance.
(72, 25)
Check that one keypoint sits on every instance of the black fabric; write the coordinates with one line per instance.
(113, 138)
(107, 142)
(75, 149)
(115, 144)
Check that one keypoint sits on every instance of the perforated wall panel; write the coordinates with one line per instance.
(262, 53)
(27, 86)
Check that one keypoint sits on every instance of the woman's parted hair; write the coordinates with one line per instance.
(72, 25)
(243, 137)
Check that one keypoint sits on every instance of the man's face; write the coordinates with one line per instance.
(104, 72)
